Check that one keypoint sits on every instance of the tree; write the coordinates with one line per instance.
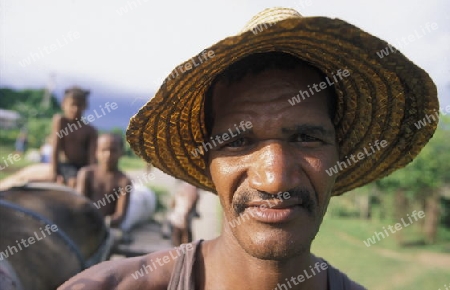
(28, 103)
(36, 117)
(423, 178)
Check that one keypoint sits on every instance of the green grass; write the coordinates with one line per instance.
(383, 265)
(10, 167)
(127, 163)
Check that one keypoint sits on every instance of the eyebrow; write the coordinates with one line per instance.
(234, 132)
(307, 128)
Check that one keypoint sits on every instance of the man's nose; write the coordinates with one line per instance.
(274, 168)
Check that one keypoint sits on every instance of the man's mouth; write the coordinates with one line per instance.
(275, 211)
(275, 203)
(275, 208)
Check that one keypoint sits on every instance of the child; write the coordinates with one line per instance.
(22, 142)
(46, 150)
(184, 205)
(103, 183)
(74, 140)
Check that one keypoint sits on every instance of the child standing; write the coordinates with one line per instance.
(184, 205)
(22, 141)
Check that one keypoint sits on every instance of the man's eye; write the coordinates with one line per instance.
(237, 143)
(305, 138)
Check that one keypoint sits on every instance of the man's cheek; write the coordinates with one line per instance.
(222, 174)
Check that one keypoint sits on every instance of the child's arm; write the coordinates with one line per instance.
(92, 146)
(82, 182)
(122, 202)
(56, 145)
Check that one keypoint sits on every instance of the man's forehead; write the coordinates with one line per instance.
(272, 87)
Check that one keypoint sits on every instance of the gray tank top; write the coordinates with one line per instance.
(183, 279)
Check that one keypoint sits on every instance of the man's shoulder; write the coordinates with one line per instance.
(144, 272)
(336, 277)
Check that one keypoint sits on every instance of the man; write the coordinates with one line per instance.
(275, 108)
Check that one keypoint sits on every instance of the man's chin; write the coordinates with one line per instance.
(276, 245)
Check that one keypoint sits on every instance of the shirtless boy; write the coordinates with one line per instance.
(74, 140)
(104, 181)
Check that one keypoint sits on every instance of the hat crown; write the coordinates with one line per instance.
(269, 17)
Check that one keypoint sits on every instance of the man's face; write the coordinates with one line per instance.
(271, 178)
(73, 107)
(108, 152)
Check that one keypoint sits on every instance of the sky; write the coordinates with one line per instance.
(133, 45)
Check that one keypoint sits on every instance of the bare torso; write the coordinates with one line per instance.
(75, 147)
(99, 184)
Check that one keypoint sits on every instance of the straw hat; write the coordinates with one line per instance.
(380, 100)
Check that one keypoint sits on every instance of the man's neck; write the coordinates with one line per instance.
(239, 270)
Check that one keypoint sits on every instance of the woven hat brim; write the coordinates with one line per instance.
(380, 100)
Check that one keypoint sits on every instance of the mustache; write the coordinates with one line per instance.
(303, 196)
